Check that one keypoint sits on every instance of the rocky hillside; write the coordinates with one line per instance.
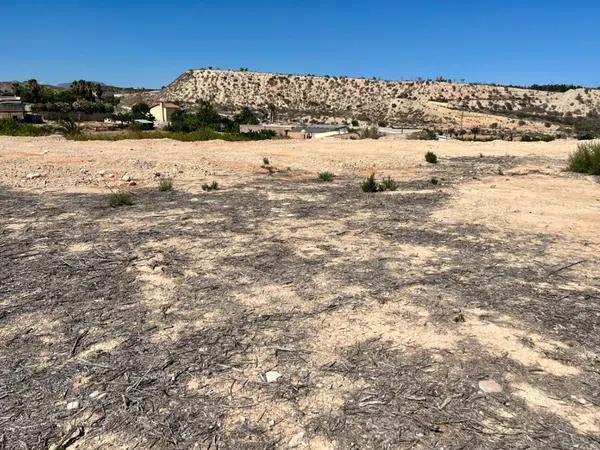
(327, 99)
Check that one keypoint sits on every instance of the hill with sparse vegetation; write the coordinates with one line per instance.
(440, 103)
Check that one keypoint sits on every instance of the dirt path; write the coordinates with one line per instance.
(385, 318)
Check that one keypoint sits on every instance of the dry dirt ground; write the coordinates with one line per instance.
(462, 315)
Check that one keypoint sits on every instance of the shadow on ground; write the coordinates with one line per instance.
(152, 326)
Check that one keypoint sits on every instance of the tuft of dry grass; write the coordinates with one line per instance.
(389, 184)
(120, 199)
(166, 184)
(326, 176)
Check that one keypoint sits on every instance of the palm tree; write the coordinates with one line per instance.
(35, 90)
(272, 111)
(83, 89)
(16, 88)
(98, 90)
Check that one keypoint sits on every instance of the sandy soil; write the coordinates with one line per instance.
(389, 317)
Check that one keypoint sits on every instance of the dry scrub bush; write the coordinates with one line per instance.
(120, 199)
(166, 184)
(586, 159)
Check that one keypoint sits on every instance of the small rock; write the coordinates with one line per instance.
(272, 376)
(580, 400)
(156, 174)
(296, 440)
(97, 395)
(32, 176)
(490, 387)
(132, 183)
(72, 405)
(101, 172)
(126, 178)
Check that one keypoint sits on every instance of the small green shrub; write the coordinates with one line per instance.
(585, 136)
(434, 181)
(389, 184)
(69, 128)
(166, 184)
(586, 159)
(326, 176)
(370, 185)
(266, 161)
(214, 186)
(120, 199)
(431, 158)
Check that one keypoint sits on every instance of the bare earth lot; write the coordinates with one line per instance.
(388, 315)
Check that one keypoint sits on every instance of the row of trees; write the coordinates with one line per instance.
(82, 95)
(205, 116)
(554, 87)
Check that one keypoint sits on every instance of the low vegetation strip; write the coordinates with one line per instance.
(9, 127)
(206, 134)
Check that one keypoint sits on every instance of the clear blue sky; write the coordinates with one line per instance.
(149, 43)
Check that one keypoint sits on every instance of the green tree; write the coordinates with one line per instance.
(141, 111)
(80, 89)
(246, 116)
(86, 90)
(204, 117)
(35, 90)
(98, 90)
(16, 88)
